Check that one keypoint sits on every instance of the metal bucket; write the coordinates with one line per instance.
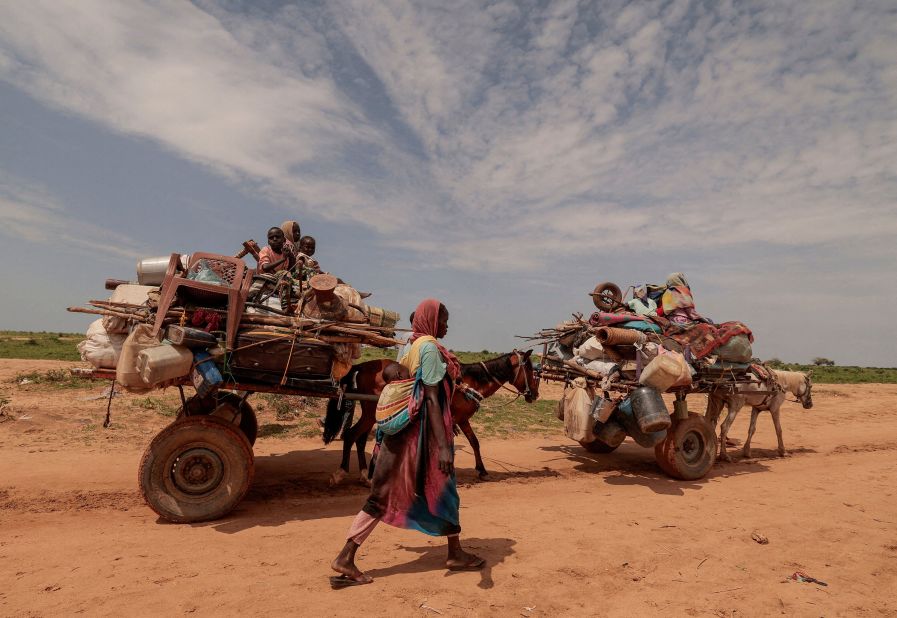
(611, 433)
(625, 416)
(649, 410)
(151, 271)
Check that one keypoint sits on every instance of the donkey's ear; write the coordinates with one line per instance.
(526, 354)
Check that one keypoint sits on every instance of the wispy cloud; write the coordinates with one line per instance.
(503, 125)
(32, 213)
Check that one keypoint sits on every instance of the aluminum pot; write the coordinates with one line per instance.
(151, 271)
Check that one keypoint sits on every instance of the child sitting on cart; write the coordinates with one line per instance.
(307, 266)
(275, 257)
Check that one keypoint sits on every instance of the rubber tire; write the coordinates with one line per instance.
(598, 447)
(157, 467)
(249, 424)
(693, 465)
(604, 289)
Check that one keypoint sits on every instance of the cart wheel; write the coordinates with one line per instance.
(689, 450)
(226, 406)
(597, 446)
(607, 296)
(196, 469)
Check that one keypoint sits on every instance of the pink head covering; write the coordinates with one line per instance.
(426, 317)
(426, 322)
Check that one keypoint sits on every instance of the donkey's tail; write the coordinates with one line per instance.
(340, 416)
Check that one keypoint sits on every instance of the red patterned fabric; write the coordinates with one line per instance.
(703, 339)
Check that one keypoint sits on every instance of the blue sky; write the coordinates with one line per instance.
(502, 156)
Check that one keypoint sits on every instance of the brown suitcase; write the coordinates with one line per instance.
(266, 356)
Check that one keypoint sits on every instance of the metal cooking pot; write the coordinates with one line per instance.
(151, 271)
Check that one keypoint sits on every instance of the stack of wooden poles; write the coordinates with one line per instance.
(329, 331)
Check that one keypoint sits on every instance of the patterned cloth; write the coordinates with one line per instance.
(408, 490)
(703, 338)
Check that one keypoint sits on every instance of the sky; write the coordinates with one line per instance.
(502, 156)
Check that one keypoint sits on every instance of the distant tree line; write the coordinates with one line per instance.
(819, 361)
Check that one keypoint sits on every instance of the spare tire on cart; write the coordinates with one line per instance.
(689, 450)
(196, 469)
(607, 296)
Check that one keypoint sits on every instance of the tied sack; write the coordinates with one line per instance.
(578, 420)
(101, 349)
(590, 350)
(667, 370)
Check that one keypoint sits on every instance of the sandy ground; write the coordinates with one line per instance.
(565, 532)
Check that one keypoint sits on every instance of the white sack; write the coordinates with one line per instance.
(578, 421)
(590, 350)
(126, 293)
(100, 349)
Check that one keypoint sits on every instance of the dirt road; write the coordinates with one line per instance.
(565, 532)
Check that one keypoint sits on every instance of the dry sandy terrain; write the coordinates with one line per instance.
(565, 532)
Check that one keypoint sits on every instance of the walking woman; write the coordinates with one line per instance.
(413, 485)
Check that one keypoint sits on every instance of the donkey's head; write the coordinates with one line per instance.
(524, 379)
(805, 396)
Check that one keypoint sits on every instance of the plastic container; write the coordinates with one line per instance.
(205, 376)
(625, 416)
(649, 410)
(164, 363)
(665, 371)
(126, 372)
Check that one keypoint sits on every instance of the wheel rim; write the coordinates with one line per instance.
(693, 447)
(197, 471)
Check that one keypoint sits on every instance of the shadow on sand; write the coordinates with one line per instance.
(432, 558)
(631, 464)
(295, 486)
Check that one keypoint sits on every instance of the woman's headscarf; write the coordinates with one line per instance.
(426, 322)
(287, 227)
(677, 295)
(676, 280)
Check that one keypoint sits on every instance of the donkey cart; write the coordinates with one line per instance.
(207, 321)
(200, 466)
(616, 365)
(685, 446)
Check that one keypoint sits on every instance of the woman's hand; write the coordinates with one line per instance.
(446, 459)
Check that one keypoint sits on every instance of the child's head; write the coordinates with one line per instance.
(395, 371)
(307, 245)
(276, 239)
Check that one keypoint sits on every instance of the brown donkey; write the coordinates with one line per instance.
(478, 381)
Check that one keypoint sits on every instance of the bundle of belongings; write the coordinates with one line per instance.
(209, 320)
(616, 363)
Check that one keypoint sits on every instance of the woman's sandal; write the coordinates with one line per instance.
(474, 564)
(338, 582)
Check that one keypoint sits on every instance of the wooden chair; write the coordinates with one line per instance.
(233, 271)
